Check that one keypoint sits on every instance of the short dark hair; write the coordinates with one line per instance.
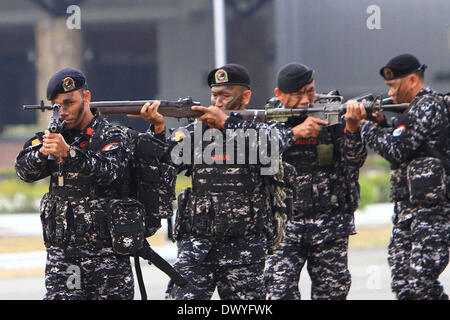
(420, 74)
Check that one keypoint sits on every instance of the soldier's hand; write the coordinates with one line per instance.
(354, 115)
(213, 116)
(149, 112)
(377, 118)
(54, 143)
(309, 128)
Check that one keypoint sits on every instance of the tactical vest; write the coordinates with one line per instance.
(226, 200)
(122, 213)
(74, 211)
(424, 179)
(315, 161)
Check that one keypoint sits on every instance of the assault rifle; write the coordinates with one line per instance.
(55, 125)
(329, 107)
(329, 111)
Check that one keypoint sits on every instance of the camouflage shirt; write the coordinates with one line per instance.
(73, 212)
(414, 133)
(327, 172)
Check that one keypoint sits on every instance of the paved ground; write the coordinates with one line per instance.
(369, 268)
(370, 280)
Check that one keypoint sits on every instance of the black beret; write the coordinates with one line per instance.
(229, 75)
(294, 76)
(401, 66)
(65, 80)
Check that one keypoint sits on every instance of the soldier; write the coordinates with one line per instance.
(326, 195)
(418, 149)
(224, 221)
(91, 157)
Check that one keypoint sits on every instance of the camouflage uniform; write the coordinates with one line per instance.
(74, 212)
(418, 250)
(223, 226)
(326, 196)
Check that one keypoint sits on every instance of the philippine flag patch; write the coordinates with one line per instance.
(399, 131)
(110, 146)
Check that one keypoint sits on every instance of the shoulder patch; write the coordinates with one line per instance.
(179, 135)
(35, 142)
(399, 131)
(111, 146)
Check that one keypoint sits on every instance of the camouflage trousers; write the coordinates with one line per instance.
(327, 267)
(103, 277)
(418, 254)
(206, 270)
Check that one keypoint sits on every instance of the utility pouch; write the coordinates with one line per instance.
(126, 225)
(426, 181)
(185, 213)
(303, 194)
(325, 154)
(399, 186)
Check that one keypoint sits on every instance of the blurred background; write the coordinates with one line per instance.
(164, 49)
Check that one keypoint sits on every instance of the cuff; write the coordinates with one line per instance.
(233, 121)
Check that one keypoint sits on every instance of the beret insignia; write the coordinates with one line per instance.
(388, 74)
(68, 84)
(221, 76)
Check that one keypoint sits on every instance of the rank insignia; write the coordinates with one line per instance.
(68, 84)
(221, 76)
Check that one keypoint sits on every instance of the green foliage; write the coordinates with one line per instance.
(17, 196)
(374, 188)
(182, 182)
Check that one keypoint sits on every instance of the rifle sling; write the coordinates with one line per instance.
(150, 255)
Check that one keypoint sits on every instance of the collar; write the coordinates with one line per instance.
(93, 124)
(424, 91)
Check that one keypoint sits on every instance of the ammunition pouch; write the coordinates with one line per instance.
(325, 155)
(426, 181)
(184, 214)
(314, 197)
(75, 222)
(399, 186)
(126, 225)
(155, 180)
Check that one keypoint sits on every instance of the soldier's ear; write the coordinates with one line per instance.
(247, 94)
(277, 92)
(87, 95)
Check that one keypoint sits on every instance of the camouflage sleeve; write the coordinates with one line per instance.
(30, 164)
(354, 150)
(272, 129)
(160, 136)
(106, 164)
(412, 130)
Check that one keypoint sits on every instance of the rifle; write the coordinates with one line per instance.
(330, 111)
(55, 125)
(177, 109)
